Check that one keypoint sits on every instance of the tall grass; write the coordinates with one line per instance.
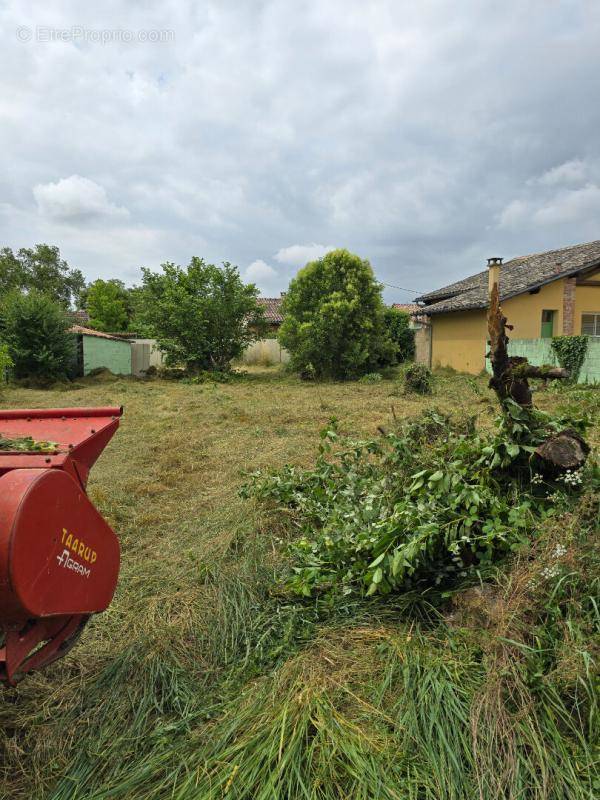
(467, 704)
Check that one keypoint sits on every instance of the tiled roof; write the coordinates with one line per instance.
(409, 308)
(272, 307)
(414, 309)
(78, 316)
(518, 275)
(90, 332)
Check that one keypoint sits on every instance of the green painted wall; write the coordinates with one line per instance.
(109, 353)
(539, 351)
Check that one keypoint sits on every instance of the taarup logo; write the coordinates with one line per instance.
(65, 560)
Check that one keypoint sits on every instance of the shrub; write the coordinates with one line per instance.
(333, 318)
(570, 351)
(429, 506)
(371, 377)
(35, 328)
(418, 379)
(398, 327)
(202, 316)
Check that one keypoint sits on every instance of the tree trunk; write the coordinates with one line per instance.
(510, 373)
(560, 451)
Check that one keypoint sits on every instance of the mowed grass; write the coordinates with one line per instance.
(201, 681)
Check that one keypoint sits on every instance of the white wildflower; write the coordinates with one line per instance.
(550, 572)
(571, 478)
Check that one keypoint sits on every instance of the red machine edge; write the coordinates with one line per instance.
(59, 559)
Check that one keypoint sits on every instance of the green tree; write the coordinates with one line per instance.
(333, 318)
(12, 272)
(398, 327)
(40, 268)
(202, 316)
(108, 305)
(34, 326)
(5, 362)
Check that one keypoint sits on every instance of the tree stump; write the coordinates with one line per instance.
(563, 451)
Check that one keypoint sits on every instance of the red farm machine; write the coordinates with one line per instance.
(59, 559)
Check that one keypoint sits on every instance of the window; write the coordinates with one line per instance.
(590, 324)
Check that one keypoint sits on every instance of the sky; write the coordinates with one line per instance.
(425, 136)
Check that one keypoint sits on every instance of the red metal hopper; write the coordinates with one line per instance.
(59, 560)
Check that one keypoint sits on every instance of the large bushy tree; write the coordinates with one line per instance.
(202, 316)
(35, 328)
(334, 318)
(108, 304)
(40, 268)
(398, 327)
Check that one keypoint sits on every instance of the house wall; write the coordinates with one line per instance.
(587, 300)
(423, 344)
(112, 354)
(524, 311)
(458, 340)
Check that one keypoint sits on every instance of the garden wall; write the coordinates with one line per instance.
(144, 354)
(265, 352)
(539, 351)
(113, 354)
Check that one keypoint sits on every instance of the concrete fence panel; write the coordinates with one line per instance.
(266, 352)
(539, 351)
(145, 353)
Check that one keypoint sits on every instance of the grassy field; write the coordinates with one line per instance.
(200, 681)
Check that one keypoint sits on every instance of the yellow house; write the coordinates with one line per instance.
(543, 295)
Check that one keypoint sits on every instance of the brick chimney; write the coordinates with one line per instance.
(494, 265)
(569, 289)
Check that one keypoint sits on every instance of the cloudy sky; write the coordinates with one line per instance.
(425, 136)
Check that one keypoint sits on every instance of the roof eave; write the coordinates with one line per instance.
(594, 264)
(591, 265)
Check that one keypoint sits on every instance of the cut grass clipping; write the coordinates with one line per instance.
(207, 679)
(26, 444)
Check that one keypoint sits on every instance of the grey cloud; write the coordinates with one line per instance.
(74, 198)
(568, 194)
(423, 136)
(297, 255)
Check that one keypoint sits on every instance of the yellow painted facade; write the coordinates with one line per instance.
(458, 339)
(525, 310)
(587, 300)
